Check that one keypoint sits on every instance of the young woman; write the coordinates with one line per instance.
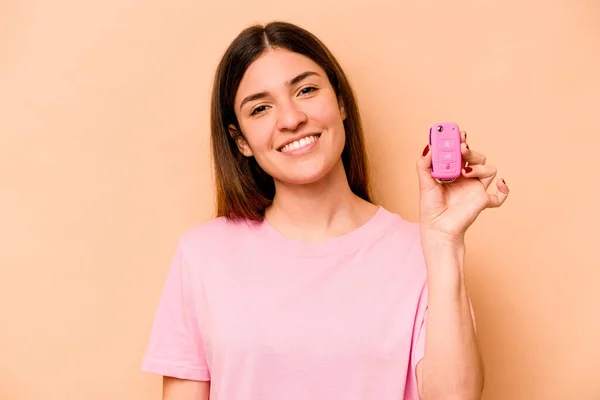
(302, 288)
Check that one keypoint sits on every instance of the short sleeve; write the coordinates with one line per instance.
(175, 346)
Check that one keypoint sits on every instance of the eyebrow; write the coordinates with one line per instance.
(260, 95)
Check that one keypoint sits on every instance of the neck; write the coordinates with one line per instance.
(318, 211)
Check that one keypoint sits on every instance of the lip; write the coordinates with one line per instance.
(292, 140)
(302, 150)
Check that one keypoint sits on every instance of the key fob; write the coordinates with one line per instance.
(444, 143)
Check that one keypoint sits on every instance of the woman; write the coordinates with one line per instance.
(302, 288)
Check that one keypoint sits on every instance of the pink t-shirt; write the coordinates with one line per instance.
(265, 317)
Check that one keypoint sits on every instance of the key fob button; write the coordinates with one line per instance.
(447, 156)
(447, 144)
(446, 166)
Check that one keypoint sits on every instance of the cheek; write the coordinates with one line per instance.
(326, 112)
(258, 135)
(329, 118)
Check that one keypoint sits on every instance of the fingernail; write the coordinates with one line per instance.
(468, 169)
(426, 150)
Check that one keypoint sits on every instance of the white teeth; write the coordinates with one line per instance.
(299, 143)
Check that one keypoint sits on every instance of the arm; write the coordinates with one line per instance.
(181, 389)
(451, 367)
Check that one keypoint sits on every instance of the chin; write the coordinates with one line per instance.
(305, 174)
(304, 178)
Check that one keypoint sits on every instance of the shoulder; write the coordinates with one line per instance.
(404, 237)
(402, 230)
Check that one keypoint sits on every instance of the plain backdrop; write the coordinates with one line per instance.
(104, 162)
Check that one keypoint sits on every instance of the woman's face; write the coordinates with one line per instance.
(289, 117)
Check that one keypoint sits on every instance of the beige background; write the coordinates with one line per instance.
(104, 161)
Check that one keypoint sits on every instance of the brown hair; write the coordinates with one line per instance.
(243, 189)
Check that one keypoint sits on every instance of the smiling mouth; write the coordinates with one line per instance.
(298, 144)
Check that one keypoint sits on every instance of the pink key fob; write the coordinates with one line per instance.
(444, 143)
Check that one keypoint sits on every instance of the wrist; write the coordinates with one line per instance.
(436, 243)
(444, 258)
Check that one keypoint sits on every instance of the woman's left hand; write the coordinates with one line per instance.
(449, 209)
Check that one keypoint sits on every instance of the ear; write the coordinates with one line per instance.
(342, 109)
(240, 141)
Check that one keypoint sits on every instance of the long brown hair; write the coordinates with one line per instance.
(243, 189)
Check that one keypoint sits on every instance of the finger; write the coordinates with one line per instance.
(485, 173)
(471, 157)
(426, 181)
(463, 136)
(496, 200)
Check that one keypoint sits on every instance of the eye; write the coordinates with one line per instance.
(258, 110)
(307, 90)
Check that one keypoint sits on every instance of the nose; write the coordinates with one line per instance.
(290, 117)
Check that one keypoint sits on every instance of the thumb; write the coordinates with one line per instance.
(426, 181)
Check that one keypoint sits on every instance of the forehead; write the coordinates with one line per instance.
(272, 69)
